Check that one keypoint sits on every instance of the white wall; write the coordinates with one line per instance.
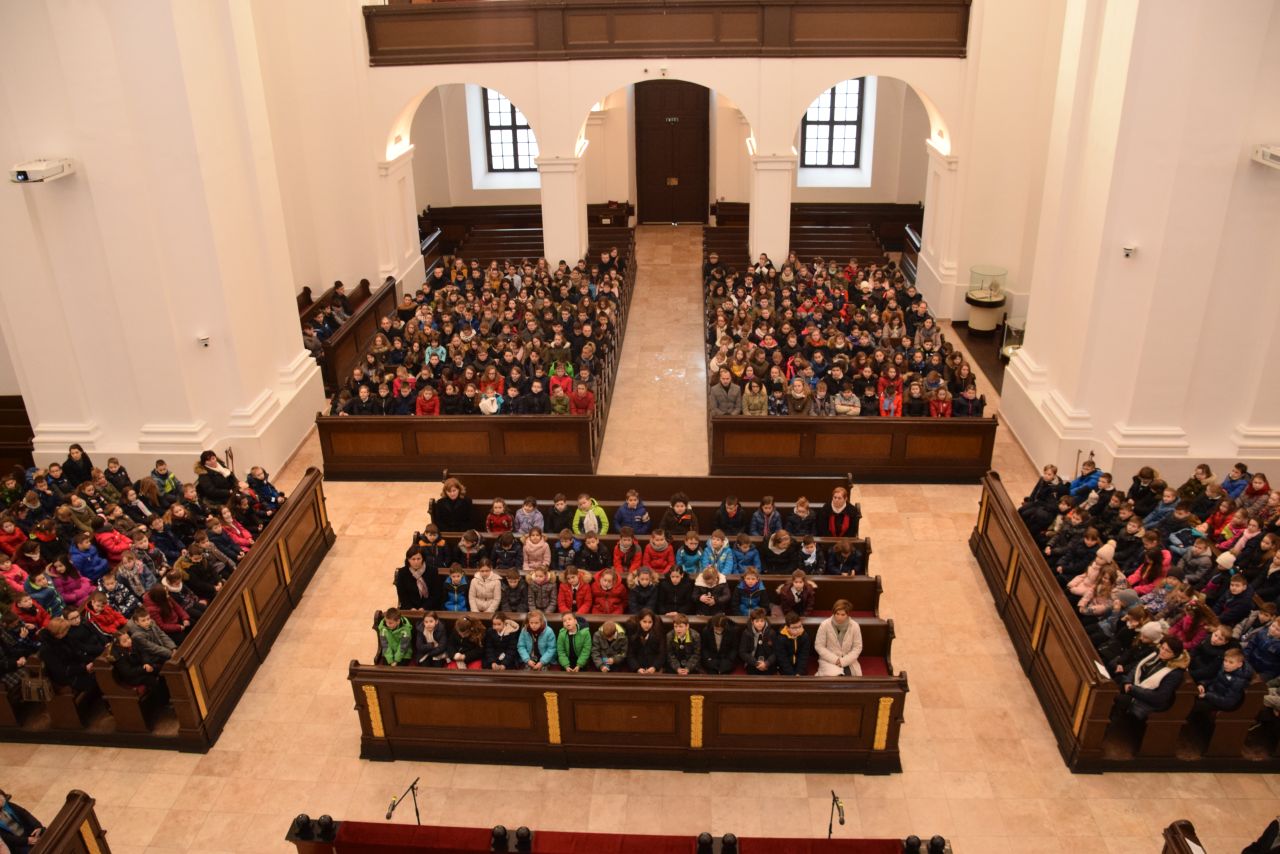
(899, 158)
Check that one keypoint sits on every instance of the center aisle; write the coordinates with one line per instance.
(657, 421)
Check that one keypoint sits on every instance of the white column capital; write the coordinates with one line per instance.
(774, 162)
(400, 161)
(948, 161)
(558, 165)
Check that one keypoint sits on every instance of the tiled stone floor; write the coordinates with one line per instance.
(980, 762)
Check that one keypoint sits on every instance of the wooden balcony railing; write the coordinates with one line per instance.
(523, 30)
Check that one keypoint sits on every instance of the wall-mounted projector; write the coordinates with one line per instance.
(1268, 155)
(40, 171)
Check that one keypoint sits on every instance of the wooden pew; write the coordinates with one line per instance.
(862, 591)
(346, 347)
(406, 447)
(215, 661)
(910, 450)
(1178, 835)
(656, 489)
(705, 511)
(558, 719)
(74, 830)
(1063, 667)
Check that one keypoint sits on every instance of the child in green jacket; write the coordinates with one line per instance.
(609, 648)
(395, 638)
(573, 644)
(589, 517)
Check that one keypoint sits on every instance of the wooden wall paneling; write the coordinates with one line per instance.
(74, 830)
(519, 30)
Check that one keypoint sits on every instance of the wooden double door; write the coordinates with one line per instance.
(673, 151)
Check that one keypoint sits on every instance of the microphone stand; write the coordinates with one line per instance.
(413, 787)
(832, 818)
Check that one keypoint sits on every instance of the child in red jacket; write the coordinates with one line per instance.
(11, 537)
(940, 406)
(658, 555)
(607, 595)
(499, 521)
(109, 541)
(575, 593)
(103, 615)
(627, 554)
(582, 401)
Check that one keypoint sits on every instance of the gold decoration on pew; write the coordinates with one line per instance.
(90, 840)
(553, 716)
(252, 613)
(695, 721)
(1008, 575)
(375, 711)
(284, 561)
(882, 723)
(199, 691)
(1037, 625)
(1082, 702)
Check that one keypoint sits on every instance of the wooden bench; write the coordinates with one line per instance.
(862, 591)
(900, 450)
(74, 830)
(1063, 667)
(587, 719)
(345, 348)
(215, 661)
(704, 511)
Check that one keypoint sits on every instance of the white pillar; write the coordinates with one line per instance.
(936, 273)
(564, 206)
(1149, 149)
(399, 249)
(170, 232)
(772, 179)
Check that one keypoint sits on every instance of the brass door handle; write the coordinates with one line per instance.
(673, 182)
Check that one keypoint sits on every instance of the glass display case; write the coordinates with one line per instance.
(986, 297)
(1015, 330)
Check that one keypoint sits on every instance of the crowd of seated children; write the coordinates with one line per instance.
(641, 644)
(92, 561)
(1169, 580)
(815, 338)
(515, 339)
(328, 319)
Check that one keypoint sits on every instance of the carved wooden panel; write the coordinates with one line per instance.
(1024, 590)
(943, 447)
(368, 444)
(219, 658)
(787, 721)
(463, 442)
(541, 443)
(862, 445)
(762, 445)
(1065, 680)
(476, 712)
(624, 717)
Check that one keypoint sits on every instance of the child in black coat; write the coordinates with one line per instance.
(643, 595)
(515, 593)
(675, 593)
(719, 645)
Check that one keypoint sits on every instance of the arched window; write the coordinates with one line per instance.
(831, 129)
(512, 146)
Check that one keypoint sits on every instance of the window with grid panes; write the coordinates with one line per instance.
(512, 146)
(831, 130)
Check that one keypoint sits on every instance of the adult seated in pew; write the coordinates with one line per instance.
(19, 830)
(132, 668)
(839, 643)
(68, 663)
(1151, 685)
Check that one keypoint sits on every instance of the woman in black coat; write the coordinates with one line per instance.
(19, 829)
(78, 468)
(215, 482)
(418, 586)
(779, 556)
(68, 665)
(452, 510)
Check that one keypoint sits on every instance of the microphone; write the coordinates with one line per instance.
(840, 809)
(394, 801)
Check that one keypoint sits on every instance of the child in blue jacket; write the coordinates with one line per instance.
(767, 520)
(633, 514)
(262, 487)
(689, 555)
(749, 595)
(745, 555)
(456, 592)
(717, 553)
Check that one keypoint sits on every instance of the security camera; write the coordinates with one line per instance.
(41, 171)
(1129, 250)
(203, 340)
